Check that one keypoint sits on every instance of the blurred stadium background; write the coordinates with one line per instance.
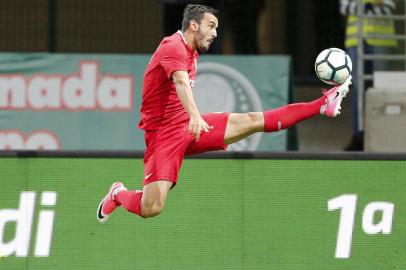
(259, 206)
(298, 29)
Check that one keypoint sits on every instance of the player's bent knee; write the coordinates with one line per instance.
(152, 211)
(251, 121)
(246, 119)
(256, 118)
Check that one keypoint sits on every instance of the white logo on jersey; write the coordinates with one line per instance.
(148, 176)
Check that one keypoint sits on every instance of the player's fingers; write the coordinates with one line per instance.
(197, 134)
(192, 127)
(206, 127)
(195, 129)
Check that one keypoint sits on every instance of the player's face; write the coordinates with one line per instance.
(207, 32)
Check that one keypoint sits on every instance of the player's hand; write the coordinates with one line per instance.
(197, 125)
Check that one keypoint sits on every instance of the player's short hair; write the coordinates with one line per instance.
(196, 12)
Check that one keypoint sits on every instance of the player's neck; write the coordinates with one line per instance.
(189, 38)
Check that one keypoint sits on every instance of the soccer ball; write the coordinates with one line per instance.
(333, 66)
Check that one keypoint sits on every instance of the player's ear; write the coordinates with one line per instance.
(194, 25)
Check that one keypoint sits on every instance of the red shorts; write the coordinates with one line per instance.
(166, 148)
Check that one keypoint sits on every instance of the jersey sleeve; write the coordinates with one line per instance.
(173, 58)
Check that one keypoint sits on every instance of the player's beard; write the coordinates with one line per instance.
(202, 49)
(200, 42)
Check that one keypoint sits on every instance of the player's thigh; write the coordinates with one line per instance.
(212, 140)
(164, 154)
(155, 193)
(241, 125)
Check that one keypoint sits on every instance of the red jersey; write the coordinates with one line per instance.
(160, 105)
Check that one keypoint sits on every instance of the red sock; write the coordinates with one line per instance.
(130, 200)
(288, 115)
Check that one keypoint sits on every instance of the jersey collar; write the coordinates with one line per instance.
(181, 34)
(184, 40)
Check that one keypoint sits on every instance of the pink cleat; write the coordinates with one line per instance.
(334, 96)
(108, 204)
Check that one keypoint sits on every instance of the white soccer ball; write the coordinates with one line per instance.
(333, 66)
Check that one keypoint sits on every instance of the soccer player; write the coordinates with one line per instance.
(173, 125)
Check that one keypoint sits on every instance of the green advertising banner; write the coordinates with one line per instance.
(92, 102)
(223, 214)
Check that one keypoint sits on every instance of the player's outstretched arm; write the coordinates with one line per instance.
(184, 91)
